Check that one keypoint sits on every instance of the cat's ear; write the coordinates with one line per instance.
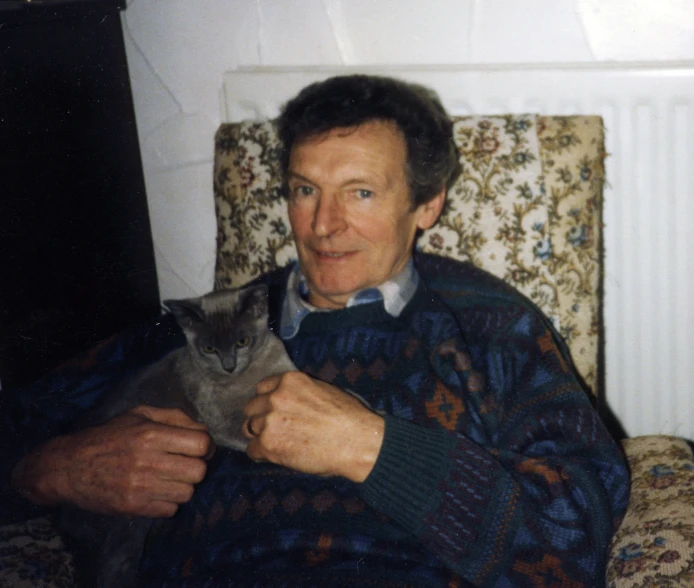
(255, 301)
(187, 312)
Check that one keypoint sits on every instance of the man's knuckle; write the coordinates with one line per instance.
(131, 502)
(293, 378)
(146, 436)
(134, 482)
(199, 471)
(186, 494)
(271, 421)
(138, 462)
(205, 444)
(167, 510)
(275, 401)
(270, 442)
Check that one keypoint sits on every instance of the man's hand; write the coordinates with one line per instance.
(144, 462)
(313, 427)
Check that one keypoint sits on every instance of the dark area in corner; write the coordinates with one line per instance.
(76, 255)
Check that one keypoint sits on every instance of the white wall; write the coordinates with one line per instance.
(179, 49)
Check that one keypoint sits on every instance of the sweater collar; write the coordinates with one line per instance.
(394, 294)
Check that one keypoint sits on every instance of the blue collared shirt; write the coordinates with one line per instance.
(395, 294)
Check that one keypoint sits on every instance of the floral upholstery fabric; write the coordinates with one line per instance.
(655, 543)
(32, 555)
(526, 208)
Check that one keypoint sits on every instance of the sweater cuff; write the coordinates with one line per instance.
(404, 483)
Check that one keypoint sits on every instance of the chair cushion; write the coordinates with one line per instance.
(655, 544)
(527, 208)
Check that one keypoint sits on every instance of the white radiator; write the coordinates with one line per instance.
(649, 209)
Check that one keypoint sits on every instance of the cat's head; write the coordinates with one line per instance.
(224, 328)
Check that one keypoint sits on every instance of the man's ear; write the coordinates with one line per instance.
(429, 211)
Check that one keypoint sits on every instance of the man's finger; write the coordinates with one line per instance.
(255, 451)
(165, 437)
(267, 385)
(187, 442)
(175, 492)
(173, 417)
(256, 405)
(180, 468)
(253, 426)
(160, 509)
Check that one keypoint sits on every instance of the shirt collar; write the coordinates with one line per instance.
(395, 294)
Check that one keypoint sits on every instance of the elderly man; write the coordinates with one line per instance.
(484, 464)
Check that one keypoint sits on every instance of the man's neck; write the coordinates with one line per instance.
(394, 294)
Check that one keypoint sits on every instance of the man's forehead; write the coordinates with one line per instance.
(344, 131)
(374, 150)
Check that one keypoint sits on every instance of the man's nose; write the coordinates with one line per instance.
(329, 217)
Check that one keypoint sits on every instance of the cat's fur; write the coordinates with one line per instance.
(230, 349)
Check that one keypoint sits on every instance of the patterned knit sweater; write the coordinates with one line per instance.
(495, 469)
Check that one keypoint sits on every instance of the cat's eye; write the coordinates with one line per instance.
(209, 349)
(243, 342)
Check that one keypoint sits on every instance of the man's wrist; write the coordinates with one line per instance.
(369, 448)
(32, 477)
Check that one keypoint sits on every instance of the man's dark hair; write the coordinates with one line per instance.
(348, 101)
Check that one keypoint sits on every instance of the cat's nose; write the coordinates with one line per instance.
(229, 365)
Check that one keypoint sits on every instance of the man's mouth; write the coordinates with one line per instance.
(333, 254)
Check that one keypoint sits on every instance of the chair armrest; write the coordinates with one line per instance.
(32, 555)
(655, 544)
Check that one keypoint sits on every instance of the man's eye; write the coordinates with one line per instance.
(209, 349)
(243, 342)
(364, 194)
(302, 190)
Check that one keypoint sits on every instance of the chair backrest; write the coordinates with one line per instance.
(527, 208)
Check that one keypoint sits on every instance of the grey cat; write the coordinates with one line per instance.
(230, 349)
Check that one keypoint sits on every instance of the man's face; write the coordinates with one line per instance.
(350, 210)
